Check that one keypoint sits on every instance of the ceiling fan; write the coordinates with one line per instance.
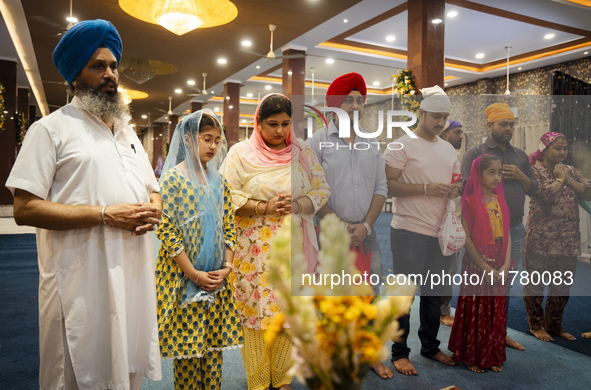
(169, 112)
(270, 56)
(63, 29)
(203, 91)
(507, 93)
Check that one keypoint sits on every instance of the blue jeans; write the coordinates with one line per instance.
(517, 234)
(371, 241)
(415, 253)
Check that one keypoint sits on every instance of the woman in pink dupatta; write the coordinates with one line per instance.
(478, 333)
(270, 175)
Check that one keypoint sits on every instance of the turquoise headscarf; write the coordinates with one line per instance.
(79, 44)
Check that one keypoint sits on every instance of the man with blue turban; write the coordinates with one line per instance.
(84, 180)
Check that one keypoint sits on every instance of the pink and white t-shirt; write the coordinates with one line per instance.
(422, 162)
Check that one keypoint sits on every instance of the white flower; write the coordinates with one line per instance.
(412, 92)
(406, 81)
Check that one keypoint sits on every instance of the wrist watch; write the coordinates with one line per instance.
(367, 228)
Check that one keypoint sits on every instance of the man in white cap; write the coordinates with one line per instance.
(419, 176)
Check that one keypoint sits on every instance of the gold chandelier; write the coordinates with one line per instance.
(174, 12)
(179, 16)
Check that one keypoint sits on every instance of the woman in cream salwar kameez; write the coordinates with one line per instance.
(270, 175)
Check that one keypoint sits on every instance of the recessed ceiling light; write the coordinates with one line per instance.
(548, 36)
(246, 43)
(452, 14)
(230, 106)
(216, 109)
(144, 117)
(445, 85)
(329, 60)
(72, 19)
(480, 55)
(152, 138)
(227, 97)
(586, 53)
(165, 117)
(243, 120)
(390, 38)
(436, 21)
(249, 95)
(132, 125)
(160, 135)
(191, 82)
(290, 72)
(258, 67)
(345, 20)
(376, 83)
(178, 90)
(213, 92)
(267, 87)
(519, 68)
(222, 60)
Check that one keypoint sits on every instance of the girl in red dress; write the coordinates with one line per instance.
(480, 324)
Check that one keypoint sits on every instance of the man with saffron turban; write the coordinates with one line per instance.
(518, 178)
(420, 176)
(355, 176)
(83, 179)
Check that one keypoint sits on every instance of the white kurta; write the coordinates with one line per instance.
(100, 280)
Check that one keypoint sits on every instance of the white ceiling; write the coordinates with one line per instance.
(468, 33)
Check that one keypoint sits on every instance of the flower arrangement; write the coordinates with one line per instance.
(337, 332)
(406, 88)
(2, 115)
(21, 130)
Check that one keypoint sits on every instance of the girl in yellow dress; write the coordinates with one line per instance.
(197, 317)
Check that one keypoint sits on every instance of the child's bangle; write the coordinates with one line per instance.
(229, 265)
(197, 278)
(266, 205)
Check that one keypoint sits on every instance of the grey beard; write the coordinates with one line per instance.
(107, 106)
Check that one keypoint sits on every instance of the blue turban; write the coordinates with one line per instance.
(75, 48)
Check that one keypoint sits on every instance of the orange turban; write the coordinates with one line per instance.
(496, 112)
(342, 86)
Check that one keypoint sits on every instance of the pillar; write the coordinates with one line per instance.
(426, 42)
(32, 114)
(232, 112)
(173, 120)
(294, 85)
(23, 103)
(196, 106)
(157, 149)
(8, 79)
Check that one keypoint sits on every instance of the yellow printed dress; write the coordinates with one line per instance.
(255, 299)
(191, 331)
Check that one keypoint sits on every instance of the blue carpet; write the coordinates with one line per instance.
(542, 366)
(19, 312)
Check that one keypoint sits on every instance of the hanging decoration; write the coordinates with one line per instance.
(406, 88)
(21, 128)
(2, 115)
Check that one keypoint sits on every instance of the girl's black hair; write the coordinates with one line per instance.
(486, 161)
(206, 121)
(275, 104)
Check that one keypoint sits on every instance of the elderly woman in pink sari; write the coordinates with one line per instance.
(552, 239)
(271, 175)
